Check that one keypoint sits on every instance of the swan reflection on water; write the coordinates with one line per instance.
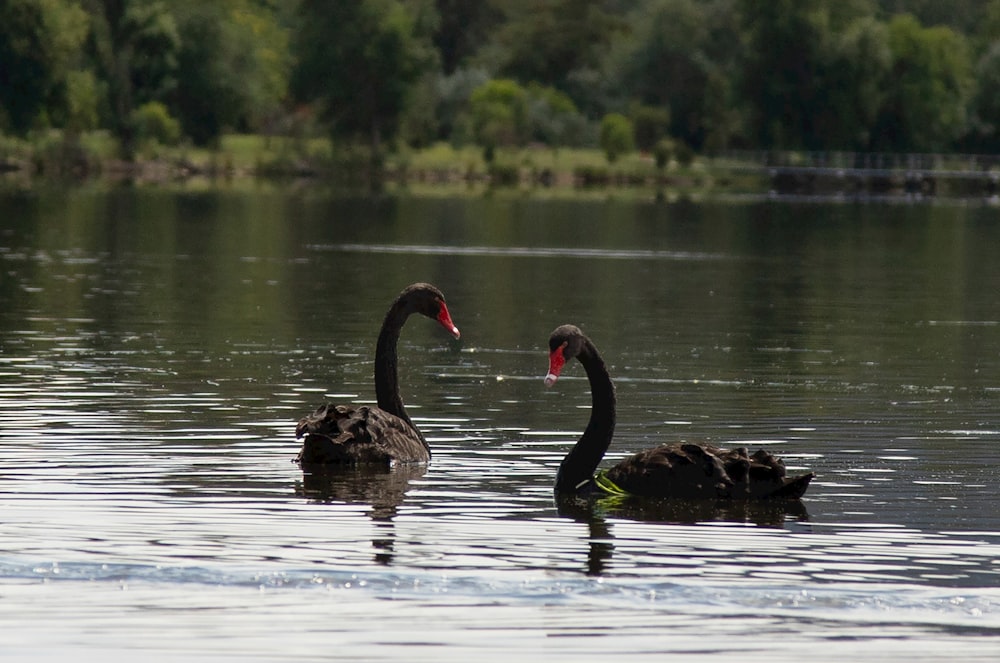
(384, 489)
(764, 513)
(595, 514)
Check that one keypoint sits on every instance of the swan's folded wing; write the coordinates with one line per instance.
(345, 434)
(684, 471)
(691, 471)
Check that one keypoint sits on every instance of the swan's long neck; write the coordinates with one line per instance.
(386, 372)
(582, 460)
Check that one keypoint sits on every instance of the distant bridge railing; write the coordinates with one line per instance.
(861, 160)
(926, 174)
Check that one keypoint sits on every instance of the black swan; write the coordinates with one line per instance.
(383, 435)
(686, 471)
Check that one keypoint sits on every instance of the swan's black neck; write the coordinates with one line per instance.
(582, 460)
(386, 372)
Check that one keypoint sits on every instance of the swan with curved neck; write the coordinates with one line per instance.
(354, 435)
(687, 471)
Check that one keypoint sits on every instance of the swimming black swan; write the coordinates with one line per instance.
(357, 435)
(687, 471)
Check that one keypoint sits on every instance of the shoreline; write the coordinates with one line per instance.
(275, 160)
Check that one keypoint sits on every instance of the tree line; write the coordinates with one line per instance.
(693, 75)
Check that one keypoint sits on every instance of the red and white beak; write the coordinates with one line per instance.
(444, 318)
(556, 362)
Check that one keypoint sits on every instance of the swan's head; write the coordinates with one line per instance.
(425, 299)
(564, 344)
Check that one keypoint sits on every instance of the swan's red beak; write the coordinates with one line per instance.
(444, 318)
(556, 362)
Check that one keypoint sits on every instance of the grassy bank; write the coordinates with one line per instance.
(276, 160)
(93, 156)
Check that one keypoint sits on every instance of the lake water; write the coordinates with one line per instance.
(158, 346)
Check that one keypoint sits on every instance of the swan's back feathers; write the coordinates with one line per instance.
(358, 435)
(685, 471)
(692, 471)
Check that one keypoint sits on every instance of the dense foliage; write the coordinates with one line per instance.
(703, 75)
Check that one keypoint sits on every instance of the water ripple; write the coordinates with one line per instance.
(519, 251)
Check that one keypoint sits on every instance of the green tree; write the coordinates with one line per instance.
(546, 42)
(987, 100)
(988, 27)
(134, 45)
(667, 66)
(651, 124)
(499, 112)
(553, 118)
(40, 40)
(82, 101)
(961, 15)
(856, 85)
(463, 27)
(724, 119)
(233, 67)
(451, 95)
(616, 136)
(152, 122)
(783, 74)
(360, 61)
(929, 90)
(790, 67)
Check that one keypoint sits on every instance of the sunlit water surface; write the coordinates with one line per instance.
(156, 349)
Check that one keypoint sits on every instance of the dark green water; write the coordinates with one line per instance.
(157, 347)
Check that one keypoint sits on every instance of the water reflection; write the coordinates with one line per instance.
(678, 511)
(596, 512)
(383, 489)
(156, 349)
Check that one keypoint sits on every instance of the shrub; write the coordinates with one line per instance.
(684, 154)
(152, 122)
(553, 117)
(504, 174)
(499, 110)
(616, 136)
(586, 176)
